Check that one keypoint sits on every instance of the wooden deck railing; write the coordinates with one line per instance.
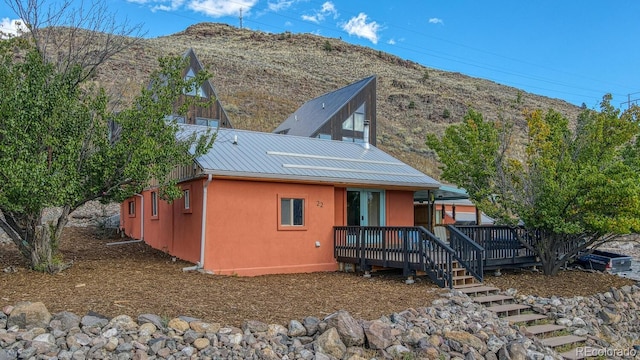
(409, 248)
(503, 244)
(468, 253)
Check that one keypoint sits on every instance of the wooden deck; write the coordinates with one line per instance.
(504, 246)
(416, 250)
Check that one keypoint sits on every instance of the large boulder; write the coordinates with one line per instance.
(296, 329)
(28, 315)
(151, 318)
(255, 326)
(329, 343)
(378, 334)
(67, 320)
(350, 331)
(468, 339)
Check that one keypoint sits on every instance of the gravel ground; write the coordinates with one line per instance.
(133, 279)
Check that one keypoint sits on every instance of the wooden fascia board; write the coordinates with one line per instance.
(323, 183)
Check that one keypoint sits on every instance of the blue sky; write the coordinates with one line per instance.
(572, 50)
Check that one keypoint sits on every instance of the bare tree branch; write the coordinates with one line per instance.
(86, 36)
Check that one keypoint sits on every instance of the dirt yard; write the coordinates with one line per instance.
(133, 279)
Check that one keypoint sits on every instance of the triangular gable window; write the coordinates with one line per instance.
(355, 122)
(194, 92)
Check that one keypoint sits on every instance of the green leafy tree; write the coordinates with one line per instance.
(574, 188)
(56, 150)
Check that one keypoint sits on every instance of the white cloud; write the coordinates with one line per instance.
(9, 27)
(359, 27)
(328, 9)
(311, 18)
(220, 8)
(436, 21)
(163, 5)
(175, 5)
(213, 8)
(279, 5)
(391, 42)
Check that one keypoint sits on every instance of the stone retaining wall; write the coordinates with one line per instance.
(453, 327)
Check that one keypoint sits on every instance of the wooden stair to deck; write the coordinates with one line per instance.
(525, 318)
(459, 276)
(491, 299)
(542, 329)
(562, 340)
(506, 308)
(583, 353)
(478, 289)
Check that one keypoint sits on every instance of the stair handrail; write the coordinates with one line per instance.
(467, 252)
(436, 253)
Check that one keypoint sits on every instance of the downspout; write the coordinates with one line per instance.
(203, 237)
(141, 216)
(365, 135)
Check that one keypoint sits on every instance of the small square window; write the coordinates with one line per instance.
(291, 212)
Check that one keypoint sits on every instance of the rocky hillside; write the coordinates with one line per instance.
(261, 78)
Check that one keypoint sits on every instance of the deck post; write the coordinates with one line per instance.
(362, 250)
(405, 252)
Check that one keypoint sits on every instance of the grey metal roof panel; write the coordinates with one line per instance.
(286, 157)
(314, 113)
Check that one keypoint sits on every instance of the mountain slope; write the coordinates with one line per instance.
(261, 78)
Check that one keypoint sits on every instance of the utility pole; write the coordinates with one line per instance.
(630, 101)
(240, 18)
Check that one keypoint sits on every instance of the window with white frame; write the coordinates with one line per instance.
(195, 91)
(207, 122)
(355, 122)
(186, 195)
(132, 208)
(291, 211)
(154, 203)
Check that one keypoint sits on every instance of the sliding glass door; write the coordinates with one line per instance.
(365, 207)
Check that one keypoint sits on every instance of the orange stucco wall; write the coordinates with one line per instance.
(131, 224)
(340, 201)
(399, 208)
(187, 225)
(174, 230)
(243, 233)
(159, 230)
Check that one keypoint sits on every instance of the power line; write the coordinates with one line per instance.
(295, 18)
(630, 101)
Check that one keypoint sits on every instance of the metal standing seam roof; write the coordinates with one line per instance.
(314, 113)
(298, 158)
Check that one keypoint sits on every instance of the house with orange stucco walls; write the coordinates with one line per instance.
(262, 203)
